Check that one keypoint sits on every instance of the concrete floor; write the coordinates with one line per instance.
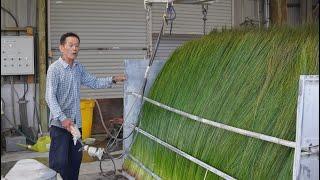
(89, 169)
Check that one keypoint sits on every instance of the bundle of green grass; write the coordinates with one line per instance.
(247, 79)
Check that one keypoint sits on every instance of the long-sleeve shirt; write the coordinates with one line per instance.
(63, 90)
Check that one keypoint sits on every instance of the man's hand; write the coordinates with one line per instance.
(119, 78)
(67, 123)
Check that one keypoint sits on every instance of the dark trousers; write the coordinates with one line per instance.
(64, 156)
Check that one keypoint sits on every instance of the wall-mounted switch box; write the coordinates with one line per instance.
(17, 55)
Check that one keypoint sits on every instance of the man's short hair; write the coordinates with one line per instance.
(68, 34)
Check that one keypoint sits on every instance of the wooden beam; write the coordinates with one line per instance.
(42, 61)
(15, 29)
(279, 12)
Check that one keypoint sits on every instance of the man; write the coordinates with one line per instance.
(64, 78)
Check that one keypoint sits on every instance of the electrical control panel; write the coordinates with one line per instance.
(17, 55)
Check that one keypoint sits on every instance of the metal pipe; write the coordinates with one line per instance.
(149, 30)
(12, 101)
(23, 116)
(223, 126)
(187, 156)
(143, 167)
(267, 13)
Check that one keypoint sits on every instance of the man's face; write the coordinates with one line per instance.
(70, 48)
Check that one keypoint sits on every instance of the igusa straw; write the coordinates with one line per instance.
(246, 79)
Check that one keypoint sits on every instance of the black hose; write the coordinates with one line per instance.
(115, 139)
(103, 159)
(25, 87)
(7, 11)
(106, 129)
(142, 90)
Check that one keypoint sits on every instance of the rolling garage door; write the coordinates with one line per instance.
(110, 32)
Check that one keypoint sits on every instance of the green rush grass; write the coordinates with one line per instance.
(243, 78)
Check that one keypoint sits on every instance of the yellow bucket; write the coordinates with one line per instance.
(86, 106)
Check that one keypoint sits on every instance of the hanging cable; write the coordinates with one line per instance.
(204, 12)
(14, 18)
(25, 87)
(103, 159)
(115, 138)
(168, 16)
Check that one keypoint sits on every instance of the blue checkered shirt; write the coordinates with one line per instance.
(63, 90)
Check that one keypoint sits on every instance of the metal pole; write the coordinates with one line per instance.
(187, 156)
(222, 126)
(267, 12)
(149, 30)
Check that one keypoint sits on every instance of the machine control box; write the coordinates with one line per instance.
(17, 55)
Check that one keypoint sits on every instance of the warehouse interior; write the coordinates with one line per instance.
(173, 53)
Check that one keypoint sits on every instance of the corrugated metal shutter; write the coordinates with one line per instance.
(188, 24)
(115, 26)
(169, 43)
(23, 10)
(294, 12)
